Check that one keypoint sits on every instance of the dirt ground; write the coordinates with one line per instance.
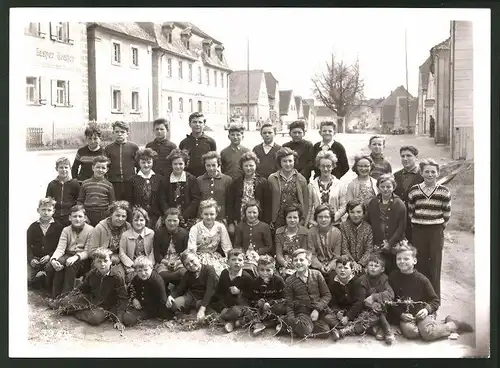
(47, 329)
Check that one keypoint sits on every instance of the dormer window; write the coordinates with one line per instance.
(208, 52)
(185, 37)
(169, 37)
(219, 52)
(187, 45)
(166, 29)
(207, 45)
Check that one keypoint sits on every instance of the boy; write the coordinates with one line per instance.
(267, 292)
(266, 151)
(64, 190)
(82, 165)
(197, 144)
(327, 132)
(70, 259)
(101, 294)
(372, 290)
(162, 146)
(307, 297)
(97, 193)
(382, 166)
(122, 165)
(231, 294)
(303, 147)
(230, 156)
(407, 177)
(147, 291)
(419, 320)
(42, 238)
(197, 286)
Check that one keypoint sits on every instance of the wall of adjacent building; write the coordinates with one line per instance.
(442, 105)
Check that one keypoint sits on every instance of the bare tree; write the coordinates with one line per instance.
(340, 87)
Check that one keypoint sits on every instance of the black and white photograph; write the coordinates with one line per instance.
(249, 182)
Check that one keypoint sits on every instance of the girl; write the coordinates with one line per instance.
(245, 188)
(108, 232)
(429, 205)
(357, 236)
(326, 189)
(146, 185)
(386, 213)
(364, 187)
(253, 236)
(180, 189)
(135, 242)
(169, 242)
(324, 240)
(290, 238)
(288, 187)
(208, 235)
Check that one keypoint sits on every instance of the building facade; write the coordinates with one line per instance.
(440, 70)
(256, 108)
(391, 114)
(288, 109)
(119, 59)
(55, 64)
(273, 93)
(299, 107)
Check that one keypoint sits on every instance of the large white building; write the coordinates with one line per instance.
(54, 57)
(189, 73)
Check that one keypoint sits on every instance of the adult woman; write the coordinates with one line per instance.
(288, 187)
(326, 189)
(363, 187)
(386, 213)
(248, 186)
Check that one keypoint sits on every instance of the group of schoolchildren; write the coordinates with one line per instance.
(162, 231)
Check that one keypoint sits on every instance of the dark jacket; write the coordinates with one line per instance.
(65, 195)
(342, 163)
(190, 196)
(139, 197)
(399, 177)
(274, 290)
(268, 163)
(262, 193)
(202, 288)
(162, 240)
(376, 287)
(40, 245)
(150, 293)
(82, 165)
(196, 148)
(305, 162)
(343, 296)
(395, 228)
(243, 282)
(163, 149)
(122, 161)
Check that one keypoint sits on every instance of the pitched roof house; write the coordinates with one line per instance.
(240, 83)
(273, 94)
(288, 108)
(391, 112)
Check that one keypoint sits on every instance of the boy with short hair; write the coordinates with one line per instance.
(382, 166)
(123, 165)
(328, 143)
(197, 144)
(304, 148)
(97, 193)
(64, 190)
(42, 238)
(307, 297)
(266, 151)
(70, 259)
(101, 294)
(162, 146)
(232, 292)
(420, 320)
(372, 290)
(82, 165)
(230, 156)
(147, 291)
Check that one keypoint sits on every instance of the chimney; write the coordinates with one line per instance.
(207, 45)
(219, 50)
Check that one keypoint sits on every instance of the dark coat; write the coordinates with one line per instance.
(396, 226)
(262, 193)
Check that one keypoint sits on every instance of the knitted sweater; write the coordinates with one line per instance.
(122, 161)
(242, 282)
(189, 196)
(65, 194)
(394, 229)
(382, 166)
(96, 194)
(196, 148)
(342, 164)
(302, 194)
(262, 193)
(150, 293)
(162, 241)
(202, 287)
(230, 161)
(82, 165)
(73, 243)
(305, 162)
(323, 254)
(268, 163)
(163, 149)
(434, 209)
(40, 245)
(271, 291)
(357, 241)
(376, 287)
(101, 236)
(147, 199)
(215, 188)
(343, 296)
(259, 235)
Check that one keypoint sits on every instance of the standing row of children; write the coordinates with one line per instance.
(174, 203)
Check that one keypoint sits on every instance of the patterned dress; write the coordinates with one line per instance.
(116, 234)
(289, 244)
(289, 196)
(139, 247)
(366, 191)
(172, 258)
(206, 242)
(248, 193)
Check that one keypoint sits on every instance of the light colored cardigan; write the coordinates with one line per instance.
(352, 191)
(302, 193)
(72, 243)
(336, 200)
(101, 236)
(128, 243)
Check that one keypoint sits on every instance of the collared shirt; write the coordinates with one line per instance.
(148, 177)
(230, 160)
(336, 279)
(326, 146)
(408, 177)
(303, 277)
(381, 166)
(175, 179)
(240, 272)
(267, 147)
(46, 226)
(290, 178)
(197, 147)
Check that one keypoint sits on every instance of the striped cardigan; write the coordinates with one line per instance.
(434, 209)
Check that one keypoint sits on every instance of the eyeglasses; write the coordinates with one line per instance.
(326, 166)
(364, 166)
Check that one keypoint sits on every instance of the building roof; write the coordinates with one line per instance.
(271, 84)
(238, 82)
(308, 101)
(130, 29)
(195, 30)
(285, 97)
(392, 99)
(324, 111)
(424, 71)
(298, 101)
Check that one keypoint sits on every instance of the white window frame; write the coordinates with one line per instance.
(117, 109)
(59, 32)
(222, 79)
(113, 56)
(137, 109)
(200, 73)
(132, 64)
(37, 91)
(191, 105)
(169, 67)
(170, 104)
(181, 104)
(215, 107)
(60, 93)
(34, 29)
(190, 73)
(215, 78)
(180, 67)
(207, 74)
(199, 106)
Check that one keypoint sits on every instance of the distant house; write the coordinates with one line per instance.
(323, 113)
(288, 108)
(298, 105)
(426, 98)
(393, 111)
(309, 112)
(273, 95)
(239, 104)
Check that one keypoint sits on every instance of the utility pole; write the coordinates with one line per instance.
(407, 97)
(248, 83)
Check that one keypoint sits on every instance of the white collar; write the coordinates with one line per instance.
(329, 145)
(174, 179)
(268, 145)
(151, 173)
(141, 234)
(340, 282)
(240, 272)
(306, 275)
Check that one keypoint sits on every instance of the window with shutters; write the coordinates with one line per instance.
(32, 96)
(60, 93)
(134, 51)
(59, 31)
(116, 100)
(136, 108)
(200, 106)
(169, 104)
(117, 53)
(33, 29)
